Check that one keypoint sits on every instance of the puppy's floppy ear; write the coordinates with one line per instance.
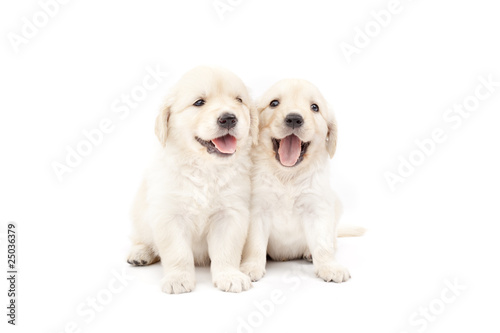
(331, 136)
(254, 123)
(161, 124)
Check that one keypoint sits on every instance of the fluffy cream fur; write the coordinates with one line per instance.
(294, 211)
(193, 206)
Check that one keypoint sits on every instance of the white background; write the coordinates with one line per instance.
(440, 224)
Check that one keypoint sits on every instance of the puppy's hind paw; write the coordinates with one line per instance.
(141, 255)
(232, 281)
(333, 272)
(254, 270)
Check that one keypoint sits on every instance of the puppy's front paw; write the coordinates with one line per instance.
(141, 255)
(333, 272)
(178, 283)
(253, 269)
(232, 281)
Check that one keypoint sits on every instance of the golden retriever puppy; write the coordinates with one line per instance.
(193, 205)
(294, 211)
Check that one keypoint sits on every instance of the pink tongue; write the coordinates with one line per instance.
(289, 150)
(225, 144)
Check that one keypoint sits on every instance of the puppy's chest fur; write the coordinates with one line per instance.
(198, 190)
(285, 206)
(206, 188)
(286, 238)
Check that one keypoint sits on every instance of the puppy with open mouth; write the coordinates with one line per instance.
(294, 212)
(193, 204)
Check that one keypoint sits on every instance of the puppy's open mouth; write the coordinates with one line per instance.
(223, 146)
(290, 150)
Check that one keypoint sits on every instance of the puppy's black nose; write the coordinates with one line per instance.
(294, 120)
(227, 120)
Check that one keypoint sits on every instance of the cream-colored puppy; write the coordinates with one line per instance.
(294, 211)
(193, 205)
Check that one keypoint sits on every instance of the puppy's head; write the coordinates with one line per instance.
(296, 125)
(208, 112)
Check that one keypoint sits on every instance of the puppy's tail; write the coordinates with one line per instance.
(350, 231)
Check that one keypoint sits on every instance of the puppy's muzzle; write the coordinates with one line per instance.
(227, 120)
(294, 120)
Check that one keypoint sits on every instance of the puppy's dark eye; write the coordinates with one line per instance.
(239, 99)
(274, 103)
(199, 102)
(315, 107)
